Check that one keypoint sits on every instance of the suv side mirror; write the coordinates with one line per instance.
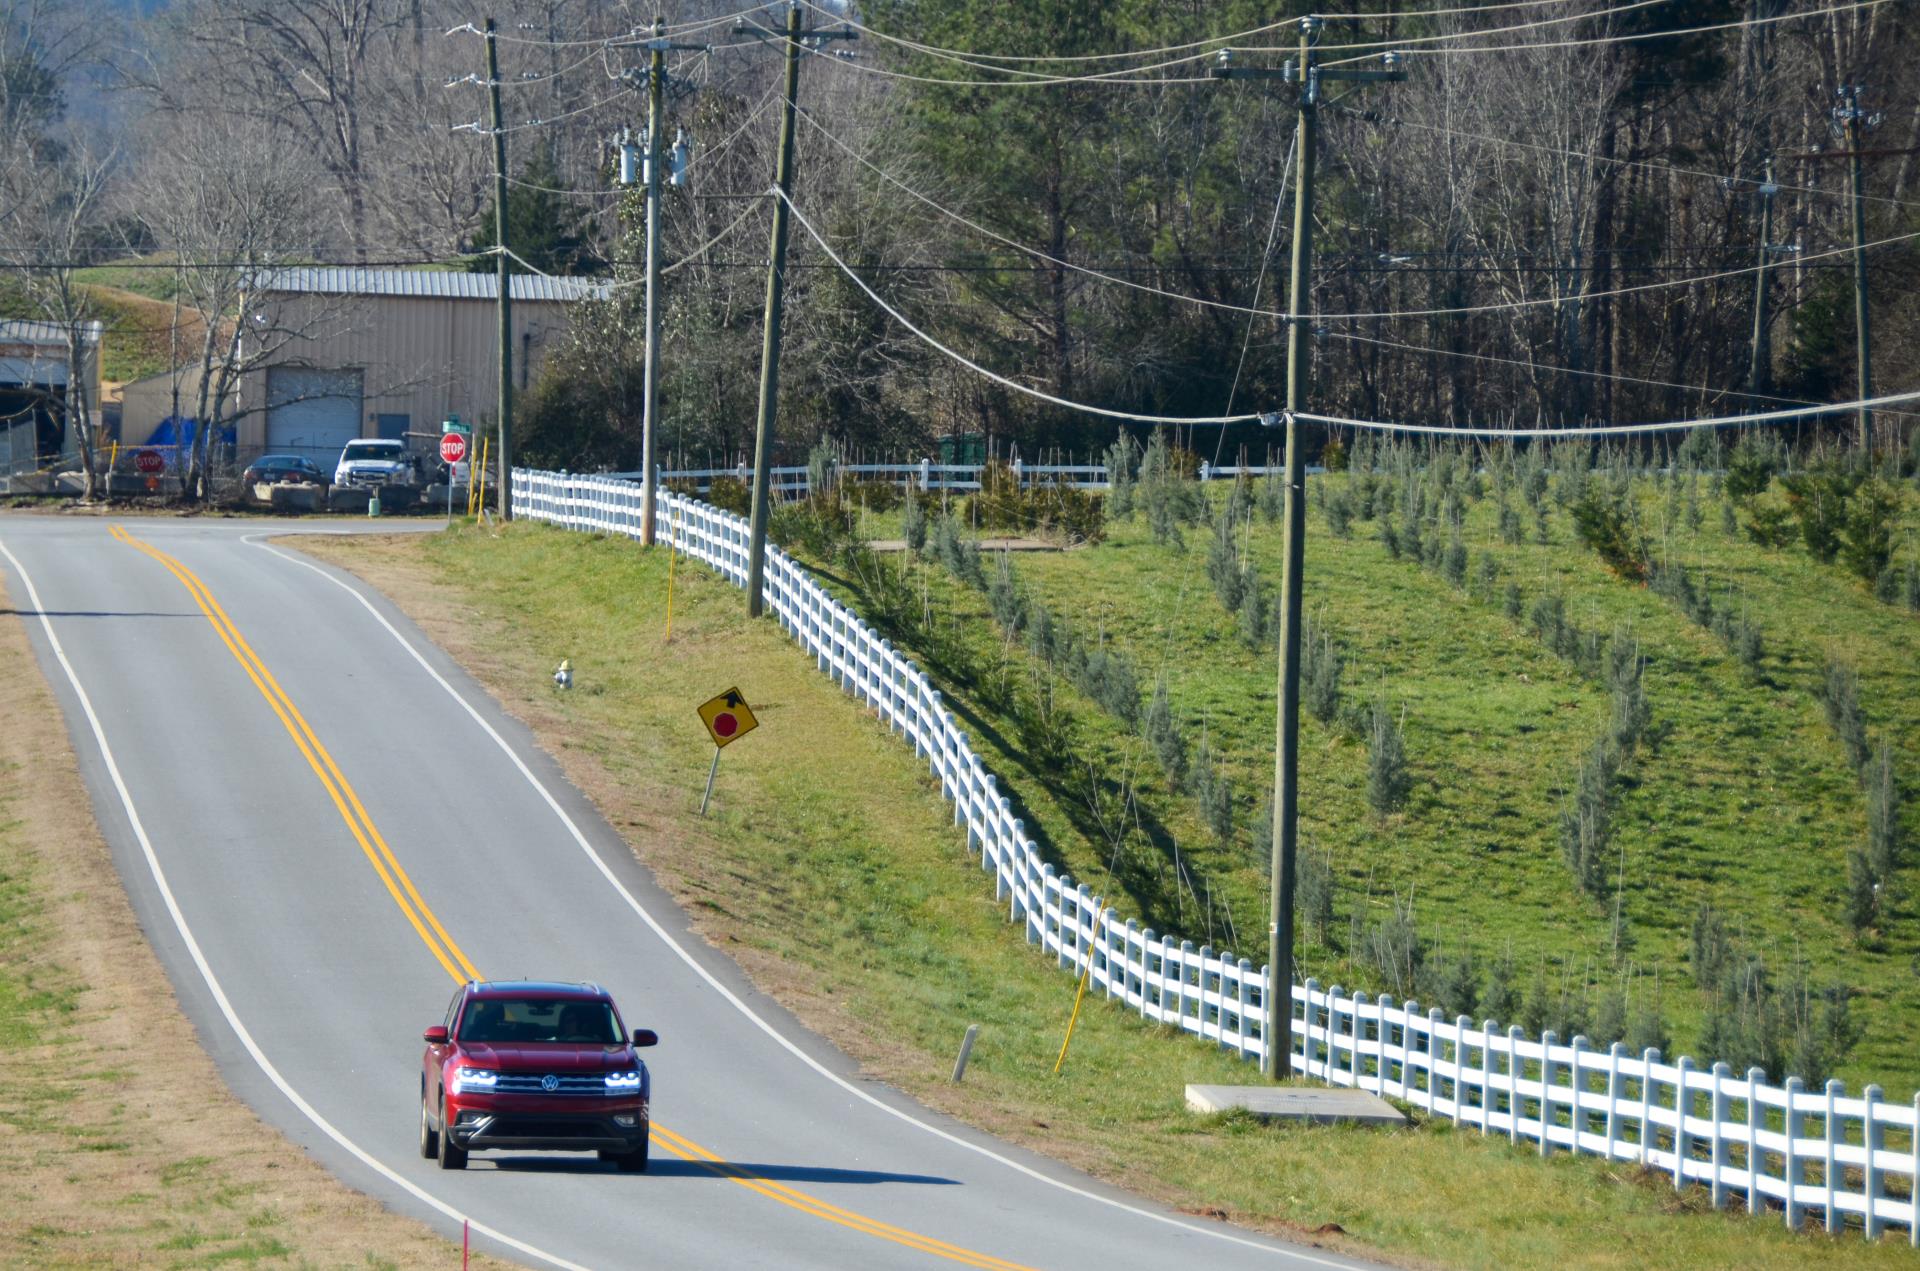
(435, 1036)
(645, 1037)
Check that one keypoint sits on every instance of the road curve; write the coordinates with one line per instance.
(323, 824)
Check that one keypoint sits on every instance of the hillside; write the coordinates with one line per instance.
(1735, 793)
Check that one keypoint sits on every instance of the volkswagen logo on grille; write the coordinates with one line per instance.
(549, 1083)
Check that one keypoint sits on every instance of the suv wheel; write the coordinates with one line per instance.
(450, 1157)
(634, 1162)
(429, 1139)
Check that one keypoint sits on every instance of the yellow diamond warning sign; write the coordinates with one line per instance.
(728, 717)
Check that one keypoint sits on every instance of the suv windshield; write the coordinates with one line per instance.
(389, 451)
(519, 1019)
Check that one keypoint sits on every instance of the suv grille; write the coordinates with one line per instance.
(566, 1083)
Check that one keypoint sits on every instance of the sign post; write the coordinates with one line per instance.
(727, 717)
(453, 448)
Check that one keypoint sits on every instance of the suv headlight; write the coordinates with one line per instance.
(622, 1082)
(471, 1079)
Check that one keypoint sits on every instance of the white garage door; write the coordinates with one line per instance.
(312, 412)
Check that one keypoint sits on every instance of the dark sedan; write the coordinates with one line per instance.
(272, 469)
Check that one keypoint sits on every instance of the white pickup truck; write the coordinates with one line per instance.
(370, 463)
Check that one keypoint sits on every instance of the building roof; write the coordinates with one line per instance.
(33, 331)
(429, 283)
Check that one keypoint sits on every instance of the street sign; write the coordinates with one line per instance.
(728, 717)
(149, 462)
(452, 424)
(453, 447)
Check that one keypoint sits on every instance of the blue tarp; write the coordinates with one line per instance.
(175, 431)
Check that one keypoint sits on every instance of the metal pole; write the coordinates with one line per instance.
(1275, 1063)
(504, 483)
(770, 346)
(710, 771)
(1863, 357)
(1760, 356)
(650, 394)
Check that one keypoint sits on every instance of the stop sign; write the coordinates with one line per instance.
(149, 461)
(725, 725)
(453, 447)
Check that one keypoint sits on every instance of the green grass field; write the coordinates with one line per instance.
(830, 868)
(1741, 797)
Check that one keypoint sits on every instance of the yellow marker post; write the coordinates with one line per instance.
(728, 718)
(1086, 974)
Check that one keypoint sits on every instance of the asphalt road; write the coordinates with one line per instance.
(231, 702)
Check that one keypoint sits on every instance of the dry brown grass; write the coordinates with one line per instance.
(119, 1143)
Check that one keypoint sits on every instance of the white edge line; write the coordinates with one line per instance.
(206, 971)
(1279, 1248)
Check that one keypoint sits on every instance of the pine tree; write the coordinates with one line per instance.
(1388, 780)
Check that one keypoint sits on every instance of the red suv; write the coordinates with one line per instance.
(529, 1065)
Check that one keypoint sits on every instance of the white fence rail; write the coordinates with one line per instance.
(1818, 1155)
(926, 475)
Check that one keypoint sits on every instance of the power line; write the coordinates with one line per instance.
(1644, 164)
(1703, 389)
(975, 367)
(1596, 430)
(1591, 295)
(1611, 39)
(1616, 430)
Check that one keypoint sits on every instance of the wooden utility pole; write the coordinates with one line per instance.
(1275, 1061)
(650, 390)
(504, 451)
(1851, 119)
(1760, 354)
(776, 279)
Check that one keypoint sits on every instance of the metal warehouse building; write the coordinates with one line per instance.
(345, 353)
(34, 431)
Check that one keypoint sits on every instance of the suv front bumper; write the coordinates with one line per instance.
(605, 1130)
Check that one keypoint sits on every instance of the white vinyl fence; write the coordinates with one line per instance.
(1819, 1155)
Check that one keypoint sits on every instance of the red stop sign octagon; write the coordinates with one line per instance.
(725, 725)
(453, 447)
(149, 462)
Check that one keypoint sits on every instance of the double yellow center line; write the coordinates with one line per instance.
(365, 832)
(456, 963)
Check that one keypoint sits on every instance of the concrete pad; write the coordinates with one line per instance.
(1321, 1105)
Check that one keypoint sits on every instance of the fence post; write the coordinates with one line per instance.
(1913, 1188)
(1681, 1099)
(1870, 1139)
(1649, 1135)
(1577, 1082)
(1790, 1125)
(1306, 1023)
(1613, 1097)
(1433, 1056)
(1246, 1004)
(1717, 1145)
(1756, 1116)
(1356, 1067)
(1186, 958)
(1461, 1025)
(1332, 1066)
(1513, 1084)
(1835, 1089)
(1547, 1039)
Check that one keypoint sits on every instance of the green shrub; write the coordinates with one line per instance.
(730, 494)
(1867, 536)
(1320, 667)
(1606, 524)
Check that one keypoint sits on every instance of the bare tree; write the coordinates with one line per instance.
(56, 203)
(231, 203)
